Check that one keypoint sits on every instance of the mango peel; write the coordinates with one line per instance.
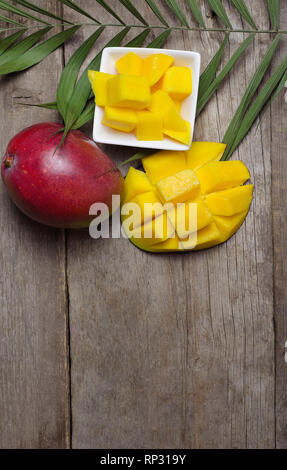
(200, 201)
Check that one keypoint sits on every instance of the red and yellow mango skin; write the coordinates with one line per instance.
(58, 188)
(197, 176)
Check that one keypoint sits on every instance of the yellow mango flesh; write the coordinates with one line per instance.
(149, 126)
(161, 103)
(128, 91)
(121, 119)
(216, 176)
(177, 82)
(129, 64)
(136, 182)
(98, 82)
(155, 66)
(183, 137)
(219, 213)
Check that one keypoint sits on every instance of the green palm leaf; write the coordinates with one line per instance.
(9, 20)
(7, 42)
(16, 52)
(196, 12)
(138, 40)
(256, 80)
(160, 40)
(76, 7)
(156, 11)
(86, 116)
(71, 70)
(175, 8)
(129, 6)
(209, 73)
(8, 7)
(273, 7)
(44, 12)
(221, 76)
(243, 10)
(38, 53)
(258, 105)
(219, 10)
(110, 10)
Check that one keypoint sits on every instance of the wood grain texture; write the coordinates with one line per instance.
(178, 351)
(279, 211)
(34, 393)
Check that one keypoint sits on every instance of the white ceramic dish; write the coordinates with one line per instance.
(106, 135)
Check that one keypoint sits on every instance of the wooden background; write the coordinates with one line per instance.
(104, 346)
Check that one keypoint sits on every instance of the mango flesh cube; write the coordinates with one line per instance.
(121, 119)
(162, 164)
(149, 126)
(179, 187)
(177, 82)
(207, 237)
(184, 214)
(184, 137)
(150, 206)
(129, 64)
(136, 182)
(128, 91)
(216, 176)
(170, 245)
(155, 66)
(202, 152)
(178, 105)
(230, 201)
(98, 82)
(161, 103)
(156, 231)
(172, 121)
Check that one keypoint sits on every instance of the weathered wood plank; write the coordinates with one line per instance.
(178, 351)
(34, 385)
(279, 204)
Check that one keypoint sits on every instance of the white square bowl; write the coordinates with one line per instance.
(106, 135)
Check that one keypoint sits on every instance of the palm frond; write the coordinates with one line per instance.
(110, 10)
(245, 13)
(196, 12)
(12, 9)
(219, 10)
(130, 7)
(273, 7)
(37, 53)
(159, 41)
(77, 8)
(205, 97)
(256, 80)
(157, 12)
(31, 6)
(175, 8)
(6, 19)
(9, 40)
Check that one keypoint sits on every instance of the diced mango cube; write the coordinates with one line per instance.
(121, 119)
(216, 176)
(136, 182)
(129, 64)
(177, 82)
(150, 206)
(128, 91)
(203, 152)
(172, 121)
(184, 137)
(178, 105)
(161, 103)
(179, 187)
(230, 201)
(149, 126)
(207, 237)
(155, 66)
(98, 82)
(162, 164)
(172, 244)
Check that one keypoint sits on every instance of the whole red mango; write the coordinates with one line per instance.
(58, 188)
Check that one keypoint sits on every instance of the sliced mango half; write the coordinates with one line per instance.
(187, 200)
